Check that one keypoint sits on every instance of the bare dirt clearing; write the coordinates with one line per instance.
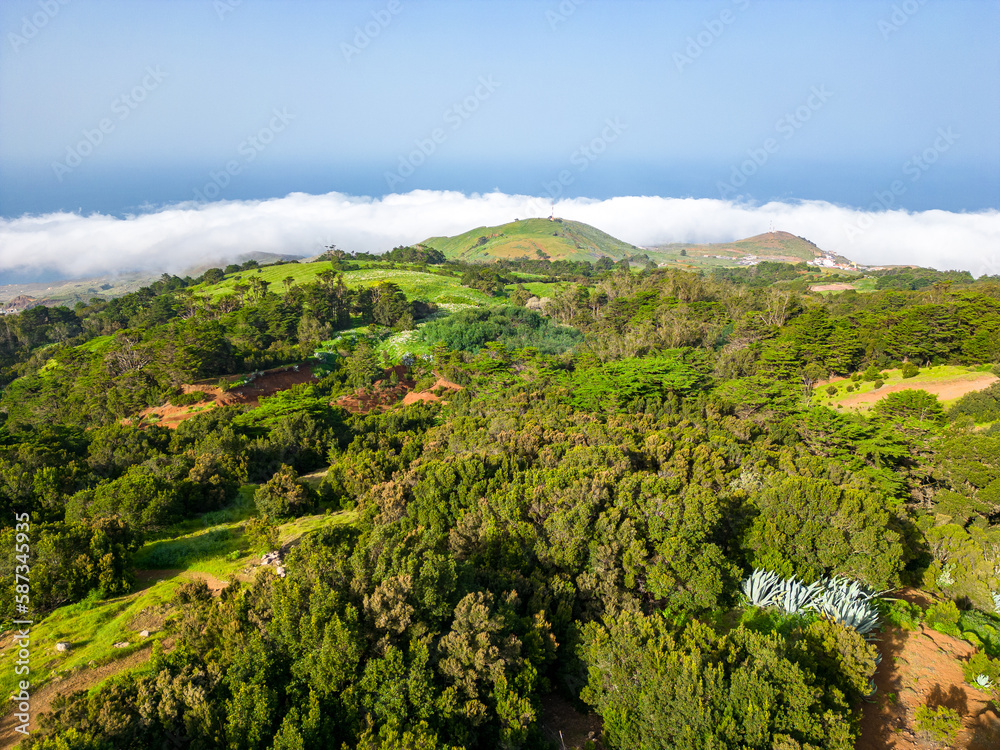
(381, 396)
(924, 667)
(831, 287)
(946, 390)
(567, 727)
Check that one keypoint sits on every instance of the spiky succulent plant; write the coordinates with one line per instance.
(983, 682)
(849, 605)
(840, 599)
(762, 587)
(796, 597)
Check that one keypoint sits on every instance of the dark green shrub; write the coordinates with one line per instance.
(910, 404)
(261, 534)
(910, 370)
(982, 406)
(283, 495)
(194, 592)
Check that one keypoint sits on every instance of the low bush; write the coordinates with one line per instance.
(939, 724)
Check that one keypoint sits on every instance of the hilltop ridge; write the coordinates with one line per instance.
(553, 239)
(779, 246)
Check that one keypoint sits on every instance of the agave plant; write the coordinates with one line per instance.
(849, 603)
(762, 587)
(849, 589)
(996, 602)
(796, 597)
(983, 682)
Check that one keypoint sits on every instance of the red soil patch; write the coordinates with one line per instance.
(382, 396)
(918, 668)
(429, 395)
(266, 384)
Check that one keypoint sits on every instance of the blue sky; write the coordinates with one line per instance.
(123, 107)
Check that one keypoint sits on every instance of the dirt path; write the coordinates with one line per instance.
(562, 723)
(215, 585)
(81, 679)
(41, 699)
(924, 667)
(945, 390)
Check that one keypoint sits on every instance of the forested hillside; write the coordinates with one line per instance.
(601, 459)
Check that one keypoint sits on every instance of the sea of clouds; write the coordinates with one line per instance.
(179, 237)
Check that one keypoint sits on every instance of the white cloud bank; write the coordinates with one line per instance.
(179, 237)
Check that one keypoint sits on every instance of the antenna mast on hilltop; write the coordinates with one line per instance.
(771, 230)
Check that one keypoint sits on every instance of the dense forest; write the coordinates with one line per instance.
(583, 517)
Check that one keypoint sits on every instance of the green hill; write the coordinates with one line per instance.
(773, 246)
(555, 239)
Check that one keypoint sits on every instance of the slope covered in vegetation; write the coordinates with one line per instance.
(579, 518)
(548, 239)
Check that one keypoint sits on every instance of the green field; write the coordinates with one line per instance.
(415, 284)
(559, 239)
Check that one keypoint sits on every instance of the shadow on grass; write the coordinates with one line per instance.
(181, 553)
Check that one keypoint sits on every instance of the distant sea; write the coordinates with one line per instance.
(136, 189)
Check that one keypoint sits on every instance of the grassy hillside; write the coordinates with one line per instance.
(92, 626)
(556, 239)
(775, 246)
(415, 284)
(70, 291)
